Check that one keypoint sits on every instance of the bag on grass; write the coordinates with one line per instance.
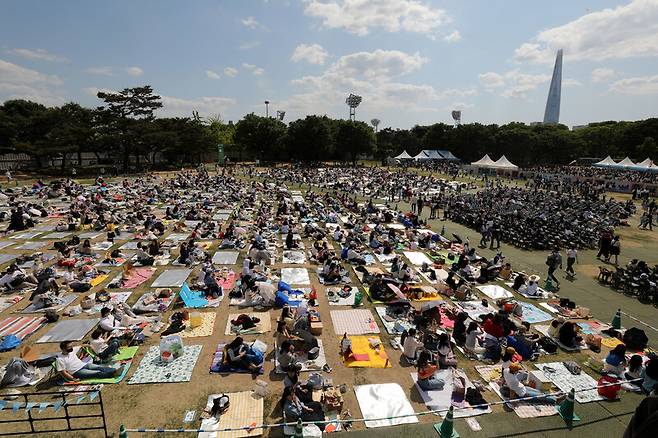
(220, 405)
(610, 392)
(635, 339)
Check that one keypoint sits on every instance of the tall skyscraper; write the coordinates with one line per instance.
(552, 113)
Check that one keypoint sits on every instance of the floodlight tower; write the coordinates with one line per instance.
(457, 117)
(267, 108)
(375, 123)
(280, 114)
(352, 102)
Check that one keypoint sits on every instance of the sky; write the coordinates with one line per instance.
(412, 61)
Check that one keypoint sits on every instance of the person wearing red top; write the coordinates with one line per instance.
(494, 326)
(493, 332)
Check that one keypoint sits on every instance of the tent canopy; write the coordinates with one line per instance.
(403, 156)
(447, 155)
(485, 161)
(606, 162)
(422, 156)
(646, 164)
(504, 163)
(626, 162)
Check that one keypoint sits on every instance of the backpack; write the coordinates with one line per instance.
(220, 405)
(548, 345)
(51, 315)
(635, 339)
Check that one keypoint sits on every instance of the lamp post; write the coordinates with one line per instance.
(267, 108)
(352, 102)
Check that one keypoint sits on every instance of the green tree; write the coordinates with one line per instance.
(648, 149)
(263, 137)
(120, 112)
(310, 139)
(354, 139)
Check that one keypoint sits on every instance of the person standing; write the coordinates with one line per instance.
(615, 249)
(554, 261)
(572, 257)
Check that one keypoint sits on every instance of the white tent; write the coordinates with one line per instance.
(403, 156)
(505, 164)
(485, 161)
(606, 162)
(626, 162)
(422, 156)
(646, 164)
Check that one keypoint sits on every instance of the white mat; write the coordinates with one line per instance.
(442, 399)
(295, 276)
(378, 402)
(225, 257)
(294, 257)
(564, 380)
(418, 258)
(494, 291)
(172, 278)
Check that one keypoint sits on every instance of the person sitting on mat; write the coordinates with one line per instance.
(241, 356)
(615, 361)
(427, 381)
(411, 346)
(103, 347)
(72, 369)
(295, 409)
(513, 378)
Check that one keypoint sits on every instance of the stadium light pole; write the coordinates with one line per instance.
(267, 108)
(280, 114)
(352, 102)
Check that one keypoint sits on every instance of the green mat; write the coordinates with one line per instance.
(125, 353)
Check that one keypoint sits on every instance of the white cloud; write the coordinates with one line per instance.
(636, 86)
(570, 82)
(513, 83)
(103, 71)
(250, 22)
(18, 82)
(15, 74)
(313, 54)
(453, 37)
(603, 74)
(38, 54)
(375, 76)
(211, 74)
(258, 71)
(134, 71)
(255, 70)
(361, 16)
(248, 66)
(230, 72)
(626, 31)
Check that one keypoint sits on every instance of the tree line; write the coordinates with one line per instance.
(125, 128)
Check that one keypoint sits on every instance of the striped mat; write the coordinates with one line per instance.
(21, 326)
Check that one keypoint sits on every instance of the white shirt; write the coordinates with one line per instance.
(108, 323)
(69, 362)
(572, 253)
(411, 345)
(98, 345)
(512, 381)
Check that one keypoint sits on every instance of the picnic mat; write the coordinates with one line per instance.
(295, 276)
(246, 409)
(206, 328)
(66, 300)
(441, 400)
(417, 258)
(69, 330)
(294, 257)
(6, 258)
(525, 409)
(7, 302)
(340, 301)
(494, 291)
(226, 280)
(565, 381)
(390, 323)
(172, 278)
(97, 280)
(115, 298)
(361, 349)
(353, 322)
(384, 400)
(5, 244)
(31, 245)
(302, 357)
(216, 365)
(225, 257)
(152, 370)
(263, 326)
(21, 326)
(490, 373)
(475, 308)
(532, 314)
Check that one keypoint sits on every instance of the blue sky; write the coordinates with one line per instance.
(412, 60)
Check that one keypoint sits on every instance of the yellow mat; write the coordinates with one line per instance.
(360, 345)
(97, 280)
(205, 329)
(246, 410)
(264, 326)
(611, 342)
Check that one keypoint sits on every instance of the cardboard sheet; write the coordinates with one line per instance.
(69, 330)
(172, 278)
(225, 257)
